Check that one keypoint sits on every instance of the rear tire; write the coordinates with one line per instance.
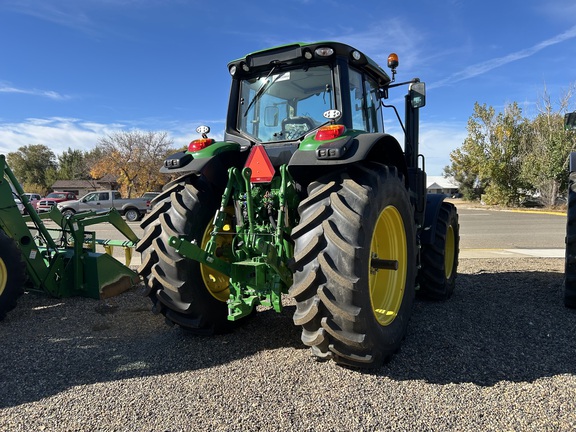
(570, 261)
(349, 310)
(12, 274)
(176, 285)
(440, 258)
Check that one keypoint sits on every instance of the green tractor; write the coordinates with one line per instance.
(308, 196)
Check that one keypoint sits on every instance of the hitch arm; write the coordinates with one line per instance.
(192, 251)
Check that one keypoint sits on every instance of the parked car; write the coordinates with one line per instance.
(32, 196)
(62, 196)
(21, 208)
(45, 204)
(150, 195)
(131, 208)
(33, 199)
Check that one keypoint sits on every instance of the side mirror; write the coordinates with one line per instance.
(271, 114)
(570, 121)
(417, 94)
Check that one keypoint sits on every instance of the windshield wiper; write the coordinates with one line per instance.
(260, 90)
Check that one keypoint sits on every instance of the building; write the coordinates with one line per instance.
(82, 187)
(441, 185)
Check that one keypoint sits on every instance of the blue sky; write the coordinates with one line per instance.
(72, 71)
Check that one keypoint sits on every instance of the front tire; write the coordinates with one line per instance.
(12, 274)
(186, 292)
(355, 226)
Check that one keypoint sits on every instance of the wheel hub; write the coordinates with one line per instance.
(216, 282)
(450, 252)
(3, 276)
(388, 266)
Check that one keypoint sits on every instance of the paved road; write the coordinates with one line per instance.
(486, 233)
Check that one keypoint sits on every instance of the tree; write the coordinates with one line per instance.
(135, 157)
(546, 152)
(489, 157)
(34, 166)
(72, 165)
(504, 167)
(463, 170)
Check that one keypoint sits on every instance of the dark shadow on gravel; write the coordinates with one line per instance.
(498, 326)
(47, 347)
(509, 326)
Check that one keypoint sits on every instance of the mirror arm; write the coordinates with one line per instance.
(412, 81)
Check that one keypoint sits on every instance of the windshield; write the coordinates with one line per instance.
(56, 195)
(285, 105)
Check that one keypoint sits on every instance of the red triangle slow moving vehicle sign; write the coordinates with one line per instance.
(259, 162)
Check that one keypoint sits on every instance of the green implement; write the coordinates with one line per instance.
(60, 261)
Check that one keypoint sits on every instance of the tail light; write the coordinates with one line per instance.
(329, 132)
(200, 144)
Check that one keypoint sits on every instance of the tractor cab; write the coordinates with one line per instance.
(281, 95)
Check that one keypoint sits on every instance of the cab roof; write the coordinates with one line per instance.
(301, 53)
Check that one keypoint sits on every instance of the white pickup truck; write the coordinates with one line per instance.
(132, 209)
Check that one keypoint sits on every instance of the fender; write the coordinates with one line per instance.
(377, 147)
(433, 204)
(211, 162)
(194, 162)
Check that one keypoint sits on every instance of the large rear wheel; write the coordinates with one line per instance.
(186, 292)
(440, 258)
(570, 262)
(12, 274)
(355, 265)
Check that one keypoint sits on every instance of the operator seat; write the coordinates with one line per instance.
(295, 127)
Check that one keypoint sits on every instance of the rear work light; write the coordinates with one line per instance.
(200, 144)
(329, 132)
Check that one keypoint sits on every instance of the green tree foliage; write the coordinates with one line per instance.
(547, 150)
(72, 165)
(488, 160)
(34, 166)
(465, 173)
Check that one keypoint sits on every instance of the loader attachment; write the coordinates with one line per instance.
(63, 261)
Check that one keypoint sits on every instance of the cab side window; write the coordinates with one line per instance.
(365, 101)
(373, 106)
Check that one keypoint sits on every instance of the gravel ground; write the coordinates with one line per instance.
(499, 355)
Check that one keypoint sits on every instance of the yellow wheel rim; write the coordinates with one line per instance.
(3, 276)
(450, 252)
(217, 283)
(387, 286)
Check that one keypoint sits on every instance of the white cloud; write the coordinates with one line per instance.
(60, 133)
(488, 65)
(5, 88)
(57, 133)
(437, 141)
(399, 35)
(66, 13)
